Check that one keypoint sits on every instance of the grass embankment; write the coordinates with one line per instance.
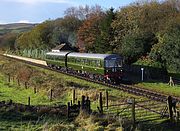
(11, 119)
(62, 86)
(20, 94)
(161, 87)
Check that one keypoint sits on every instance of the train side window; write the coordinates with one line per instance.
(69, 59)
(47, 57)
(85, 61)
(72, 60)
(82, 61)
(78, 61)
(60, 58)
(90, 62)
(98, 63)
(53, 57)
(94, 62)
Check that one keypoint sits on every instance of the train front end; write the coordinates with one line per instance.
(113, 68)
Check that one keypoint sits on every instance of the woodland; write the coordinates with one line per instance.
(144, 32)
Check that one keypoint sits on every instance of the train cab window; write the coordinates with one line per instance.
(113, 63)
(118, 63)
(110, 63)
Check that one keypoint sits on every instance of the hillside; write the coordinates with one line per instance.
(15, 27)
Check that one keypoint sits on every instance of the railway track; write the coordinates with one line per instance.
(124, 87)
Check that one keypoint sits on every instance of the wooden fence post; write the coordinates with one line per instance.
(82, 102)
(169, 102)
(29, 101)
(34, 90)
(68, 110)
(89, 106)
(79, 104)
(71, 103)
(100, 103)
(73, 96)
(18, 82)
(177, 116)
(10, 102)
(51, 92)
(9, 77)
(133, 111)
(107, 99)
(26, 84)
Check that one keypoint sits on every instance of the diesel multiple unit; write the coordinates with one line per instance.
(105, 66)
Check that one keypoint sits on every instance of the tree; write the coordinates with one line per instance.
(103, 40)
(135, 45)
(87, 33)
(65, 30)
(7, 41)
(83, 12)
(135, 22)
(38, 37)
(167, 51)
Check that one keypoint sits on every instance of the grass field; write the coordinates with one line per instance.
(20, 94)
(11, 120)
(14, 120)
(161, 87)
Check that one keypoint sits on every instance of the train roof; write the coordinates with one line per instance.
(91, 55)
(61, 53)
(85, 55)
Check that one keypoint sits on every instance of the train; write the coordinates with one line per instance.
(105, 67)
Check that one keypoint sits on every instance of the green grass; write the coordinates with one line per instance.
(20, 94)
(90, 89)
(162, 88)
(14, 120)
(17, 121)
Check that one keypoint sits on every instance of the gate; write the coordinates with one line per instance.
(141, 111)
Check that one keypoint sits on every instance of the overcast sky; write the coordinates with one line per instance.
(36, 11)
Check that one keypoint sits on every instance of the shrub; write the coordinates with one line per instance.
(146, 61)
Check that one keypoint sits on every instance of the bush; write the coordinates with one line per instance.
(146, 61)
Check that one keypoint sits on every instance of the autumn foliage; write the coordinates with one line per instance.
(143, 28)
